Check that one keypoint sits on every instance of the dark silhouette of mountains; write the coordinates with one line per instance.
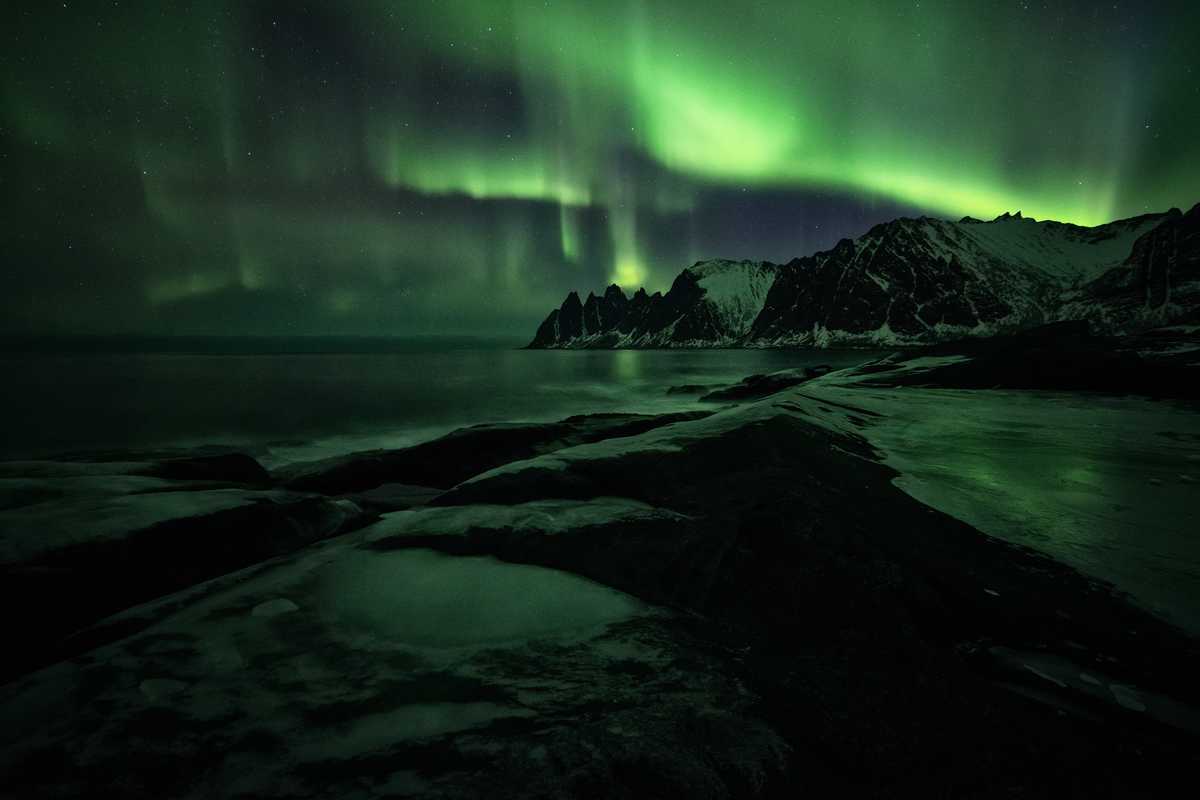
(911, 281)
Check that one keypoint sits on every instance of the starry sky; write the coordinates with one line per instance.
(418, 167)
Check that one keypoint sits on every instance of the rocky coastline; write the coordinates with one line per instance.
(738, 601)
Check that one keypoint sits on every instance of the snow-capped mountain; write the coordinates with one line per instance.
(1158, 284)
(712, 303)
(735, 290)
(911, 281)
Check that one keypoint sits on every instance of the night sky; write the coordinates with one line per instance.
(454, 167)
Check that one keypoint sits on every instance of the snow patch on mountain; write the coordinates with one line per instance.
(736, 290)
(1060, 251)
(910, 281)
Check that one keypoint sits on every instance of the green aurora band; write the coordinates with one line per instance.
(255, 134)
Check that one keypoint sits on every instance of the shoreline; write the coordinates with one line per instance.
(762, 608)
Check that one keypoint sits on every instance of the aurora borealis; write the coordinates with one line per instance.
(420, 167)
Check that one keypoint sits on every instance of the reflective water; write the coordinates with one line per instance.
(426, 599)
(1109, 485)
(309, 399)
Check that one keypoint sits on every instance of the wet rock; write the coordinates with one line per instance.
(100, 554)
(787, 620)
(473, 676)
(395, 497)
(758, 386)
(622, 543)
(766, 517)
(273, 608)
(453, 458)
(1127, 697)
(230, 467)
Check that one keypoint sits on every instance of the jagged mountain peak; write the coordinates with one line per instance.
(712, 266)
(910, 280)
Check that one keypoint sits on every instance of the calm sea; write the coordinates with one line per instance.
(1096, 482)
(295, 399)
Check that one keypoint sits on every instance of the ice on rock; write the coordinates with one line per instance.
(1045, 676)
(273, 608)
(126, 505)
(545, 516)
(1041, 470)
(1127, 697)
(407, 723)
(420, 598)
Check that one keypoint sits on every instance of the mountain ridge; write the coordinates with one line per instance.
(912, 280)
